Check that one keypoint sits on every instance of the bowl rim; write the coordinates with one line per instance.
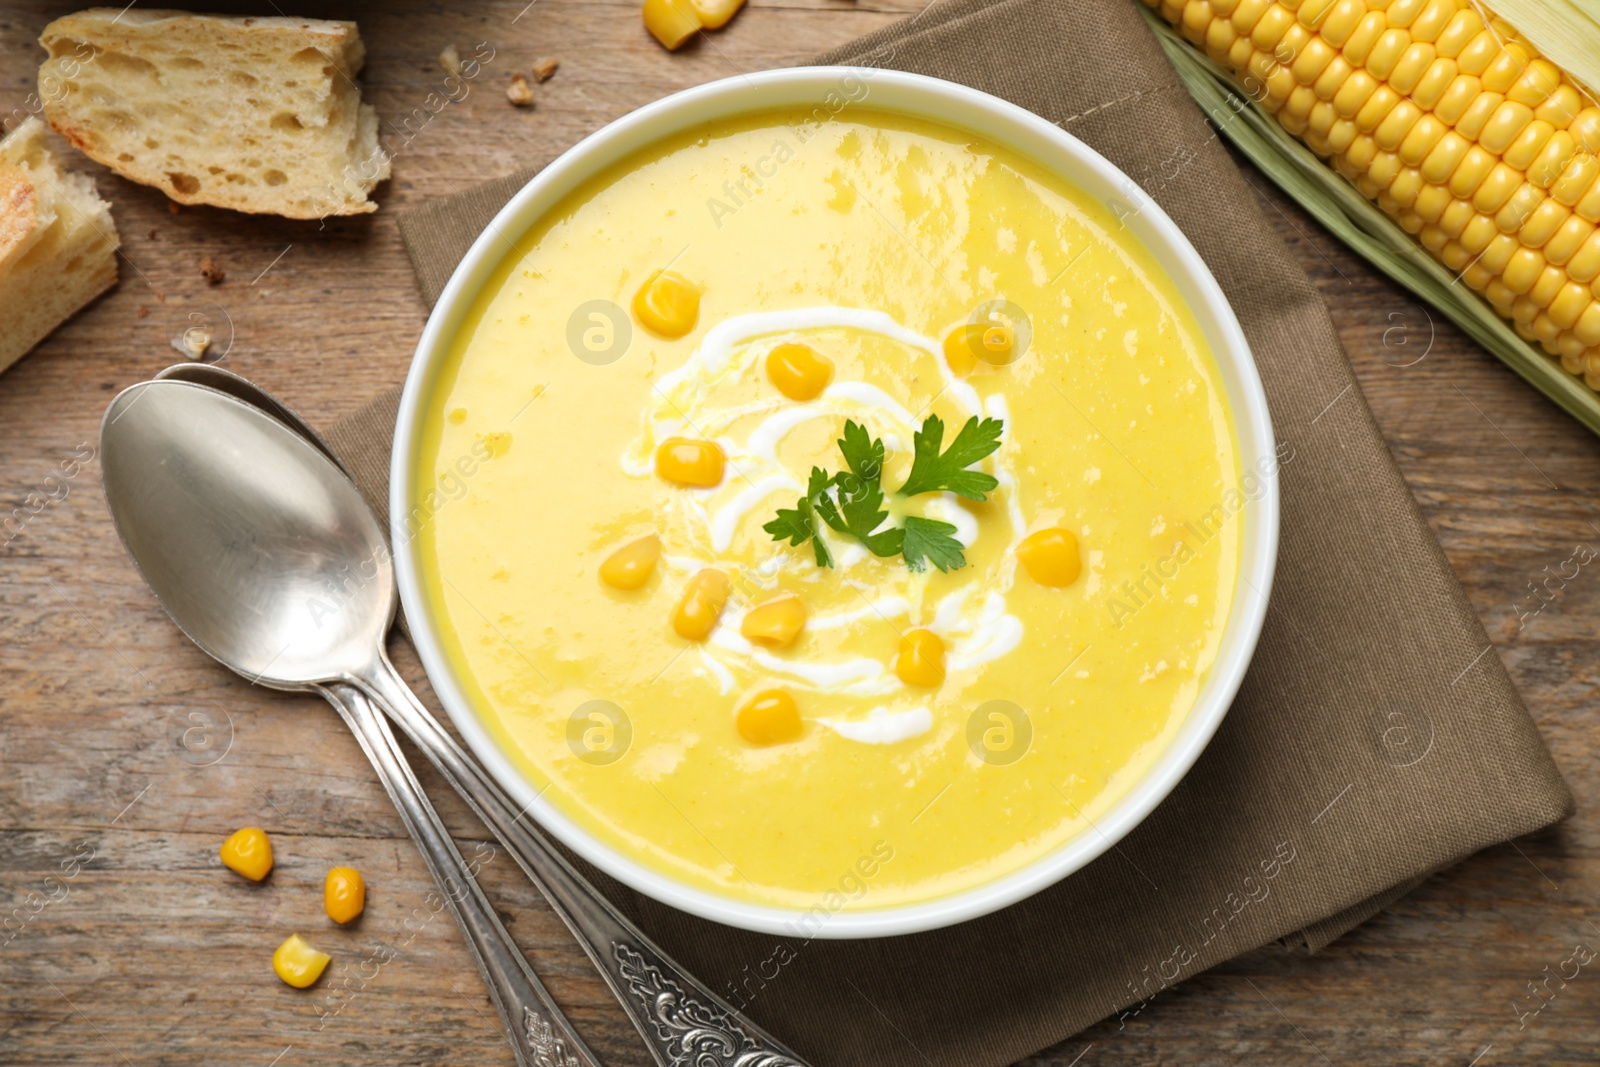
(1045, 144)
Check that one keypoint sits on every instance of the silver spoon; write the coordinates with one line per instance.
(208, 503)
(338, 537)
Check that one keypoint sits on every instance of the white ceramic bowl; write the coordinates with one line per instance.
(1047, 145)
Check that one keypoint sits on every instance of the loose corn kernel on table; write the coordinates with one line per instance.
(153, 950)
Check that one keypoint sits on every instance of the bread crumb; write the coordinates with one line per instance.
(545, 68)
(193, 342)
(211, 272)
(519, 92)
(151, 236)
(450, 60)
(143, 312)
(172, 207)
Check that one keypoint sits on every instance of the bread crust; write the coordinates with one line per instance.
(19, 211)
(58, 243)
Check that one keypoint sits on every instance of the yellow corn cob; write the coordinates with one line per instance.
(1455, 126)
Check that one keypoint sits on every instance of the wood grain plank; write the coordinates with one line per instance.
(123, 941)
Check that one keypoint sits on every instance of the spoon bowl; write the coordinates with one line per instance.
(237, 385)
(257, 545)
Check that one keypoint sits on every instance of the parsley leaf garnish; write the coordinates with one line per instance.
(862, 451)
(931, 540)
(860, 512)
(851, 502)
(798, 524)
(932, 472)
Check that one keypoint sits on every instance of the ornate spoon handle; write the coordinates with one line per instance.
(540, 1035)
(682, 1021)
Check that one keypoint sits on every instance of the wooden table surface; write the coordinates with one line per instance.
(126, 756)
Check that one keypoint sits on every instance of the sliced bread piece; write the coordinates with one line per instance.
(58, 245)
(255, 114)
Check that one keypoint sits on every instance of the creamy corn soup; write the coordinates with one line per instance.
(829, 514)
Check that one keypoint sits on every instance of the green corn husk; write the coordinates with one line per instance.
(1566, 32)
(1359, 223)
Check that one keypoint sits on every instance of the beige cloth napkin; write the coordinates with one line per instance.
(1376, 739)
